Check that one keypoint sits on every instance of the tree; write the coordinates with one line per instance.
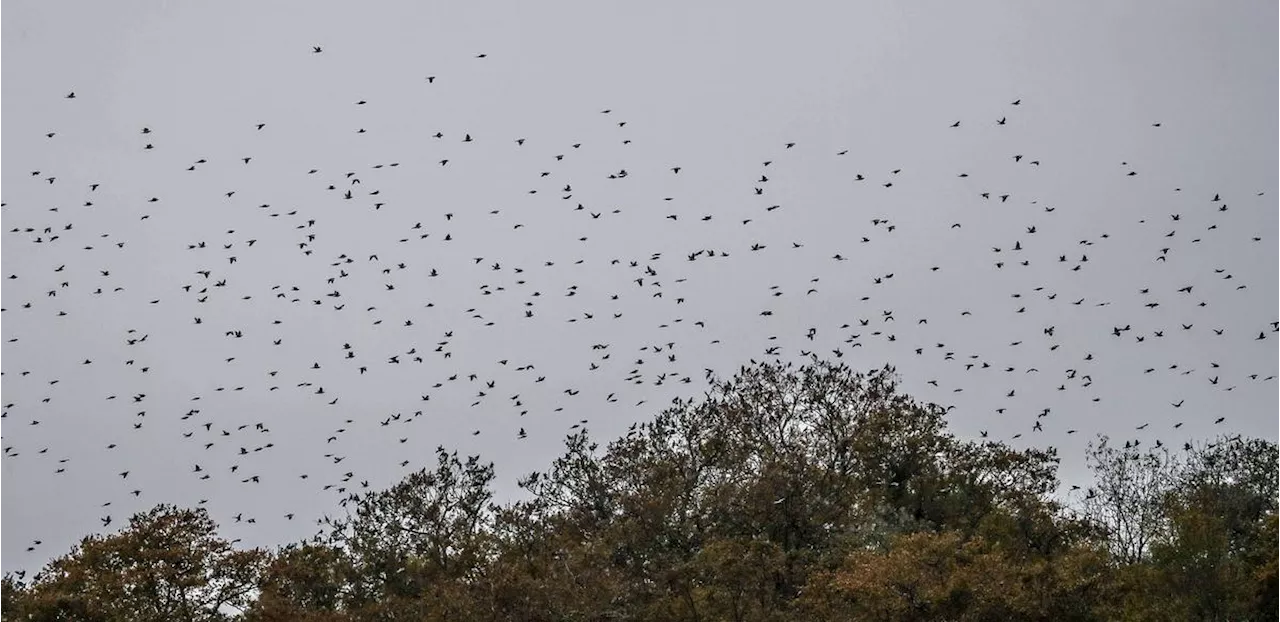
(1218, 558)
(416, 549)
(723, 508)
(167, 564)
(1194, 533)
(1128, 494)
(785, 493)
(1265, 573)
(555, 556)
(946, 576)
(307, 582)
(15, 598)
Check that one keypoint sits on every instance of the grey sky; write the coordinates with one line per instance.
(716, 90)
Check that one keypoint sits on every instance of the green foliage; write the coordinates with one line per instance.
(810, 493)
(16, 599)
(168, 564)
(308, 582)
(947, 576)
(1206, 546)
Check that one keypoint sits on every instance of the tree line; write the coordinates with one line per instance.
(785, 493)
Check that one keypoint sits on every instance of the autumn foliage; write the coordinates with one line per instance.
(787, 493)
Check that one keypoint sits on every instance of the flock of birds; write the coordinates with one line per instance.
(270, 300)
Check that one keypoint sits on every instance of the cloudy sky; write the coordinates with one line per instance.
(187, 293)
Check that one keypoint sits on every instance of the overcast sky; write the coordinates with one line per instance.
(1139, 159)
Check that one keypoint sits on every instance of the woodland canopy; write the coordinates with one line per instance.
(786, 493)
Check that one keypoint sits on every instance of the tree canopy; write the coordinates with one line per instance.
(786, 493)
